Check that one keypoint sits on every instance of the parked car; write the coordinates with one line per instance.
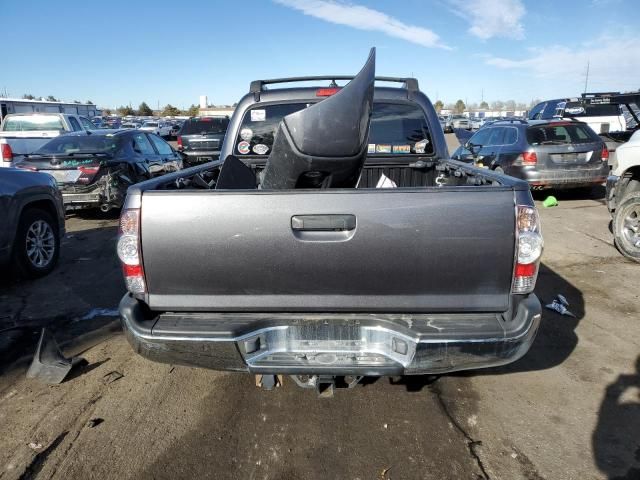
(132, 125)
(477, 123)
(96, 170)
(32, 218)
(443, 123)
(602, 118)
(200, 138)
(623, 197)
(161, 129)
(292, 261)
(545, 153)
(175, 128)
(460, 121)
(24, 133)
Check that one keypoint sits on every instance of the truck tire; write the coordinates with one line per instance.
(626, 226)
(37, 244)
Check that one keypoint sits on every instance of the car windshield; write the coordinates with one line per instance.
(558, 134)
(201, 125)
(396, 128)
(150, 124)
(29, 123)
(65, 145)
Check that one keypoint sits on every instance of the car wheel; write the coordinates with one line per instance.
(626, 226)
(37, 244)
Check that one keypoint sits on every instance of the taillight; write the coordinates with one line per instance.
(528, 249)
(179, 140)
(87, 174)
(7, 153)
(529, 158)
(605, 154)
(129, 250)
(327, 92)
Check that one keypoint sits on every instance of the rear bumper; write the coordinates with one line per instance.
(331, 344)
(561, 178)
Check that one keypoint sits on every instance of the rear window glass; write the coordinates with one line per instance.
(395, 129)
(150, 124)
(65, 145)
(196, 126)
(29, 123)
(560, 134)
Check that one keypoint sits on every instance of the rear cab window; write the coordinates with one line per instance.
(561, 133)
(205, 125)
(396, 129)
(32, 123)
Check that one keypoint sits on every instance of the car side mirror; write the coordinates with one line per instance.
(472, 147)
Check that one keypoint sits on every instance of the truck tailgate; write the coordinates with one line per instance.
(396, 250)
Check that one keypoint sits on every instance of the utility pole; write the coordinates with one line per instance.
(586, 80)
(482, 96)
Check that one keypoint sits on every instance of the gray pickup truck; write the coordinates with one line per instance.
(421, 265)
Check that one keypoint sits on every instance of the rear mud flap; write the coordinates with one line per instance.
(49, 364)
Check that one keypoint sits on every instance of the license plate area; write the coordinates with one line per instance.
(321, 345)
(571, 158)
(65, 176)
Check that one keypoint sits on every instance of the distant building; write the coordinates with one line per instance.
(216, 111)
(487, 113)
(21, 105)
(203, 101)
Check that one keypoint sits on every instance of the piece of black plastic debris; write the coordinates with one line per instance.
(94, 422)
(111, 377)
(49, 364)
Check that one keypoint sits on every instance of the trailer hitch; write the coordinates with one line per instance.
(325, 385)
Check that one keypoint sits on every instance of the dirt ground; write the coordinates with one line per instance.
(570, 409)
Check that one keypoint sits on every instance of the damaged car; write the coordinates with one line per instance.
(94, 171)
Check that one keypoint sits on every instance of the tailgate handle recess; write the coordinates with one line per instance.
(323, 223)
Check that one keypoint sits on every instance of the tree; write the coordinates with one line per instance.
(192, 111)
(106, 112)
(170, 111)
(89, 102)
(144, 110)
(51, 98)
(484, 105)
(28, 96)
(534, 102)
(124, 111)
(510, 104)
(438, 105)
(459, 106)
(497, 105)
(77, 101)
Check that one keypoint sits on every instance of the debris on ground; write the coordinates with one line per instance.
(35, 446)
(49, 364)
(100, 312)
(94, 422)
(550, 201)
(111, 377)
(560, 305)
(383, 473)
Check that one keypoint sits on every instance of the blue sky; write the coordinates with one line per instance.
(116, 52)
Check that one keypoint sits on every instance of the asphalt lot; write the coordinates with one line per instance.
(570, 409)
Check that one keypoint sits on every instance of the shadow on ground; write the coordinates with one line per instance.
(616, 439)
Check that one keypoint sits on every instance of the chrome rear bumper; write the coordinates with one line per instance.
(332, 344)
